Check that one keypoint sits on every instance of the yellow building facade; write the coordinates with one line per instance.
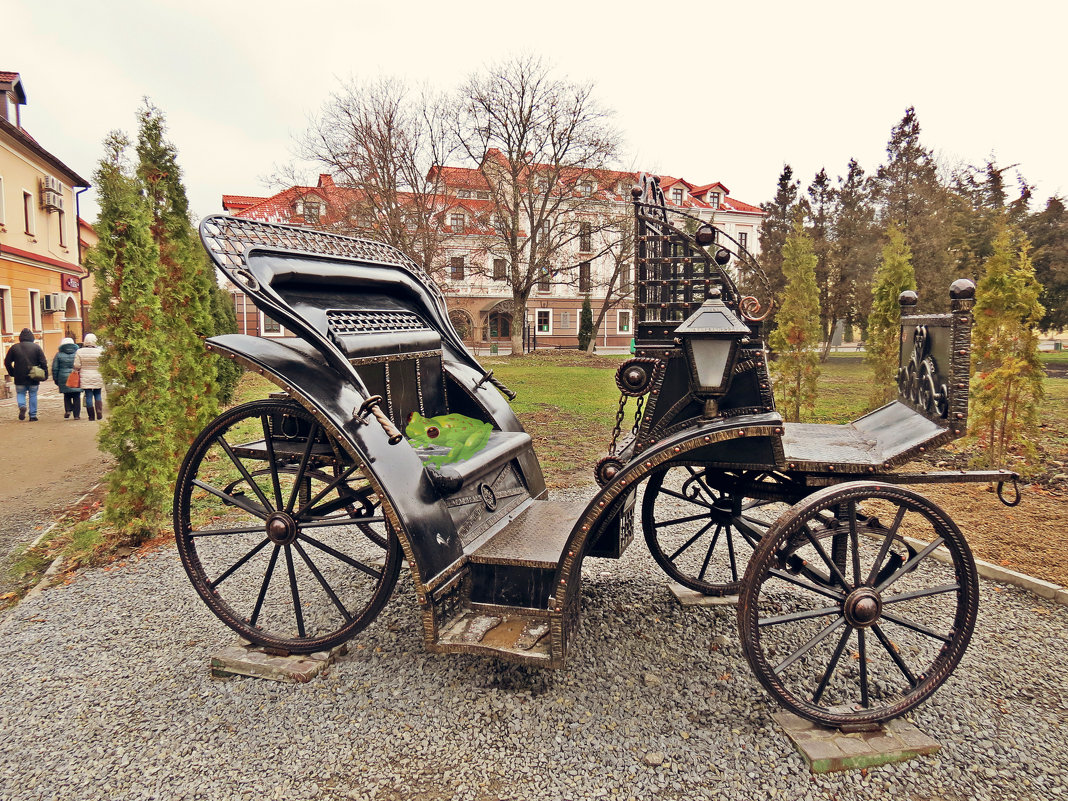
(40, 254)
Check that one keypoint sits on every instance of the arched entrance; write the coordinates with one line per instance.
(72, 319)
(464, 325)
(497, 319)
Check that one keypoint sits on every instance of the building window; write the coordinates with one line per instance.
(544, 321)
(464, 194)
(585, 237)
(543, 280)
(676, 196)
(624, 279)
(312, 211)
(584, 277)
(586, 188)
(743, 240)
(35, 310)
(2, 217)
(456, 223)
(268, 327)
(500, 270)
(456, 268)
(5, 310)
(27, 213)
(62, 230)
(565, 320)
(713, 199)
(482, 195)
(623, 321)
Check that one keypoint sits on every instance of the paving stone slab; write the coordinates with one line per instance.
(687, 597)
(827, 750)
(245, 659)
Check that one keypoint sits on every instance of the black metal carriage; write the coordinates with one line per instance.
(293, 514)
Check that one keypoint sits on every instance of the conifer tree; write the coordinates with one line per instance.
(796, 337)
(776, 225)
(228, 372)
(1006, 384)
(128, 318)
(855, 245)
(892, 277)
(185, 282)
(820, 210)
(585, 332)
(1048, 231)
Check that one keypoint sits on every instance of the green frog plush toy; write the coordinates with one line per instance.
(464, 436)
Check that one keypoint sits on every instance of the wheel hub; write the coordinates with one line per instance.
(862, 607)
(281, 528)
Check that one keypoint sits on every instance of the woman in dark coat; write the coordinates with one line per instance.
(21, 358)
(62, 367)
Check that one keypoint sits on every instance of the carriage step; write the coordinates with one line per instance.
(512, 635)
(517, 565)
(536, 538)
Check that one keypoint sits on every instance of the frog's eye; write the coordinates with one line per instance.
(432, 432)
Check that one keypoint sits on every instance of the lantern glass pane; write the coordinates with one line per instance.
(710, 357)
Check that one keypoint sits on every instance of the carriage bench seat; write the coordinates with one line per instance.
(503, 446)
(890, 434)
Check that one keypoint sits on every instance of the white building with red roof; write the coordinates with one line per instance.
(473, 271)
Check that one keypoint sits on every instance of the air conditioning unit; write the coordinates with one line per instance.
(50, 184)
(51, 201)
(50, 302)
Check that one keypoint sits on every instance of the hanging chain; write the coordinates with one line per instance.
(619, 423)
(637, 415)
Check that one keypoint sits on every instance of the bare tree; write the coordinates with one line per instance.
(537, 139)
(381, 143)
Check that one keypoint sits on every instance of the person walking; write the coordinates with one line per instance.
(28, 365)
(87, 359)
(62, 367)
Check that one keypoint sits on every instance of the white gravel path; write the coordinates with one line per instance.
(105, 693)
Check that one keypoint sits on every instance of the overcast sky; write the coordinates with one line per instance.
(703, 90)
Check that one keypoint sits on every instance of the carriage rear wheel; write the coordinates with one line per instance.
(280, 531)
(846, 616)
(702, 525)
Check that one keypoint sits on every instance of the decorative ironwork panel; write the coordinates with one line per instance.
(373, 321)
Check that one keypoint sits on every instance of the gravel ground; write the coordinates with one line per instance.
(106, 694)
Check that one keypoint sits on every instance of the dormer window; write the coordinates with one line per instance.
(313, 210)
(456, 223)
(676, 196)
(586, 188)
(464, 194)
(713, 199)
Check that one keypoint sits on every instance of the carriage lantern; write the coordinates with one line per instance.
(711, 335)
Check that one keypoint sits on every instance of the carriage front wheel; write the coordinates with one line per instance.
(701, 525)
(846, 615)
(281, 532)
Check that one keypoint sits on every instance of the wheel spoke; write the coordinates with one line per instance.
(826, 559)
(244, 472)
(236, 565)
(307, 508)
(792, 617)
(862, 649)
(837, 655)
(910, 564)
(330, 522)
(908, 596)
(233, 500)
(826, 592)
(341, 502)
(340, 556)
(266, 583)
(692, 540)
(730, 554)
(885, 547)
(708, 555)
(313, 432)
(894, 655)
(222, 532)
(748, 534)
(688, 519)
(852, 516)
(298, 613)
(268, 443)
(919, 629)
(681, 497)
(323, 583)
(808, 646)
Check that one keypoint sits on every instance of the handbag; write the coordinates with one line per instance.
(37, 373)
(74, 380)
